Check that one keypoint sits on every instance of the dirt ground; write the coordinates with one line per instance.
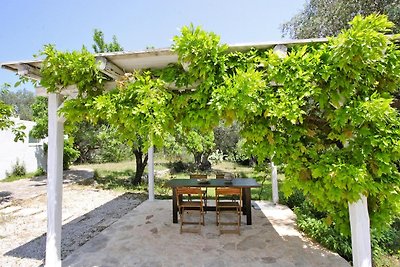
(86, 212)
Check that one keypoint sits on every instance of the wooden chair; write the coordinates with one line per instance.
(224, 175)
(187, 205)
(220, 176)
(198, 176)
(228, 200)
(204, 190)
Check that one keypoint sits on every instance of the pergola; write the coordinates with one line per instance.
(115, 65)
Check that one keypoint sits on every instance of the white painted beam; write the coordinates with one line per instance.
(274, 175)
(150, 166)
(280, 50)
(360, 233)
(54, 182)
(109, 68)
(71, 91)
(29, 71)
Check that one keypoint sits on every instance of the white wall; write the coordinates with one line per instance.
(29, 154)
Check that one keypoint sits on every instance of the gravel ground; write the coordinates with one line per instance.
(86, 212)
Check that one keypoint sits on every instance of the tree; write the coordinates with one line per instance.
(40, 117)
(95, 143)
(6, 113)
(227, 138)
(40, 131)
(322, 18)
(197, 143)
(136, 108)
(323, 112)
(87, 138)
(21, 100)
(100, 46)
(327, 118)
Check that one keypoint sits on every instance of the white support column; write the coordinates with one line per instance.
(54, 182)
(360, 233)
(151, 173)
(275, 195)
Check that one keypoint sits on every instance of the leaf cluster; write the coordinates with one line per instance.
(63, 69)
(6, 112)
(100, 46)
(323, 112)
(321, 18)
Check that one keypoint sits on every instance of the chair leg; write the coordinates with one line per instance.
(182, 218)
(239, 221)
(232, 223)
(199, 223)
(181, 221)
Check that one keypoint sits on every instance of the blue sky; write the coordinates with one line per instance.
(27, 25)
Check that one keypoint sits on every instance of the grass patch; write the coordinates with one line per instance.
(117, 176)
(120, 166)
(13, 178)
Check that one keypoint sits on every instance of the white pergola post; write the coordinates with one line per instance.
(54, 182)
(150, 164)
(360, 233)
(274, 175)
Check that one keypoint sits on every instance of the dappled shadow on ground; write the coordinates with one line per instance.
(116, 179)
(69, 176)
(112, 180)
(161, 243)
(80, 230)
(5, 196)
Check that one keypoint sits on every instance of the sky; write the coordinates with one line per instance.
(28, 25)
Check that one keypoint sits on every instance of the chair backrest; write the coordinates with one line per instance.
(220, 176)
(198, 176)
(187, 193)
(228, 193)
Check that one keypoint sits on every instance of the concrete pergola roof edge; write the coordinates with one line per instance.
(117, 63)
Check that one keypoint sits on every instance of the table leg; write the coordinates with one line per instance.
(174, 206)
(247, 204)
(244, 203)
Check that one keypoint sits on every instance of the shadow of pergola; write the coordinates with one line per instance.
(146, 236)
(78, 231)
(5, 196)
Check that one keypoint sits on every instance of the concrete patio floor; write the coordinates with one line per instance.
(146, 236)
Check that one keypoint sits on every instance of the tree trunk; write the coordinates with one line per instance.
(140, 166)
(197, 158)
(201, 161)
(205, 163)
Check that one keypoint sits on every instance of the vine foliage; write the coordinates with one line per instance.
(323, 112)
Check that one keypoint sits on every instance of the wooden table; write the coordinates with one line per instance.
(245, 183)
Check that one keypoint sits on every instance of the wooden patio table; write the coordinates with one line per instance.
(245, 183)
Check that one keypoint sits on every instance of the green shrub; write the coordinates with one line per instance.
(178, 166)
(324, 234)
(18, 169)
(385, 245)
(314, 224)
(70, 154)
(39, 172)
(110, 147)
(295, 200)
